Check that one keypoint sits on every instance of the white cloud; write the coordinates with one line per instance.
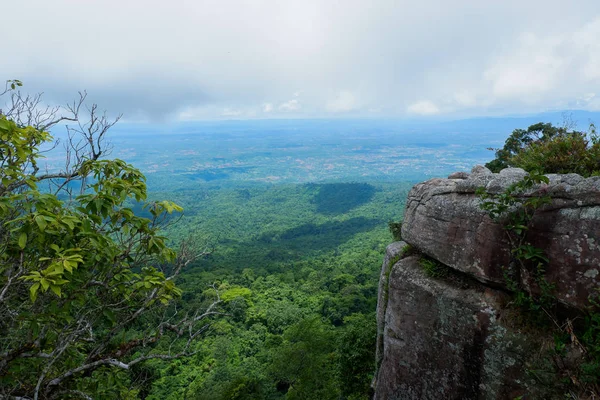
(344, 101)
(291, 105)
(464, 98)
(209, 56)
(547, 69)
(585, 42)
(424, 107)
(531, 69)
(228, 112)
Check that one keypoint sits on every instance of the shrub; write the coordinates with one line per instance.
(395, 230)
(568, 153)
(550, 149)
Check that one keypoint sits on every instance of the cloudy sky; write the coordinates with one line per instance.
(204, 59)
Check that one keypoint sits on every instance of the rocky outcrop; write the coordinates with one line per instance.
(450, 338)
(443, 219)
(443, 339)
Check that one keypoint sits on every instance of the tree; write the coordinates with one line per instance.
(519, 139)
(86, 286)
(303, 365)
(546, 148)
(356, 352)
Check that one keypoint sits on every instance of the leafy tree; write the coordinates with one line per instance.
(575, 152)
(550, 149)
(519, 139)
(356, 349)
(303, 365)
(85, 284)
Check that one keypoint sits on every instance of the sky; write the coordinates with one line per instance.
(194, 60)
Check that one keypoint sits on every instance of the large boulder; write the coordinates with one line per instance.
(445, 339)
(443, 219)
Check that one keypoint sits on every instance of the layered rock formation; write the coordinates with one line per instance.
(448, 338)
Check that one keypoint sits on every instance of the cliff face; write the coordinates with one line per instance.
(451, 337)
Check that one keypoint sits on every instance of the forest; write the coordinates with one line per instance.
(256, 278)
(227, 290)
(297, 267)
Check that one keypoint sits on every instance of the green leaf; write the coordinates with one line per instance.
(110, 315)
(33, 291)
(41, 222)
(55, 289)
(67, 266)
(22, 240)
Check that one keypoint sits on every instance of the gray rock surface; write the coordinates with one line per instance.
(443, 340)
(392, 255)
(443, 219)
(458, 175)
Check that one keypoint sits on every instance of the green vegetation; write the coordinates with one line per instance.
(88, 300)
(550, 149)
(408, 250)
(516, 214)
(396, 230)
(89, 304)
(300, 296)
(85, 284)
(572, 364)
(433, 268)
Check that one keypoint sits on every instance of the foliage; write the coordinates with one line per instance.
(515, 212)
(303, 363)
(79, 272)
(355, 348)
(337, 198)
(550, 149)
(575, 355)
(519, 139)
(395, 230)
(288, 258)
(298, 264)
(590, 340)
(408, 250)
(433, 268)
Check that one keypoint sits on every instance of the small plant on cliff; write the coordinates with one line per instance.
(515, 212)
(573, 362)
(515, 209)
(433, 268)
(395, 230)
(408, 250)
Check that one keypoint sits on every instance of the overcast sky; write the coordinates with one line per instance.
(188, 60)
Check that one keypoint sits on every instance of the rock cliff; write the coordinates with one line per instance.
(451, 337)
